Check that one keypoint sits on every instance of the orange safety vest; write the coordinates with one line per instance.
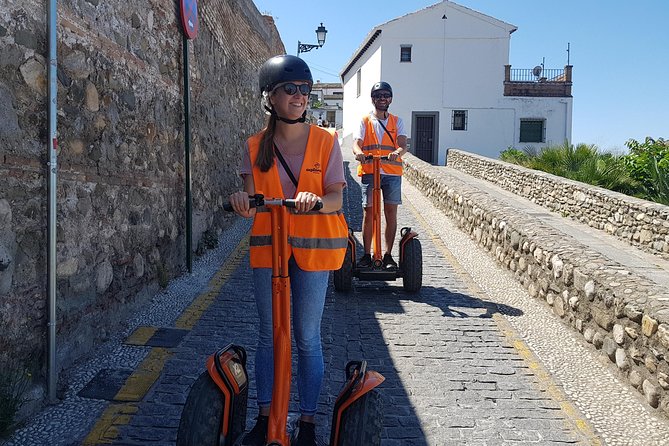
(371, 146)
(317, 241)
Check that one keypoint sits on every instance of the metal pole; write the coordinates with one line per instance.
(189, 201)
(53, 171)
(298, 48)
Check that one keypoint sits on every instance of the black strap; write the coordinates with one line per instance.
(384, 128)
(285, 165)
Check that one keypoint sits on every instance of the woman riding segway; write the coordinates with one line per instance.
(310, 169)
(287, 159)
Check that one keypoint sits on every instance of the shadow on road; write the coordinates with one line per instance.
(374, 314)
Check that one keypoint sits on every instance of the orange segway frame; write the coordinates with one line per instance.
(376, 209)
(359, 382)
(278, 412)
(407, 234)
(223, 368)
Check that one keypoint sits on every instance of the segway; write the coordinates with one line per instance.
(215, 409)
(410, 267)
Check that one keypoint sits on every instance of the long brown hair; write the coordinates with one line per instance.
(265, 159)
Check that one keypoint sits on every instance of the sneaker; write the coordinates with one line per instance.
(258, 435)
(388, 262)
(306, 435)
(365, 261)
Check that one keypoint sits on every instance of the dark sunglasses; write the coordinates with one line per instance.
(290, 89)
(382, 96)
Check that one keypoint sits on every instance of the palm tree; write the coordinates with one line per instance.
(583, 163)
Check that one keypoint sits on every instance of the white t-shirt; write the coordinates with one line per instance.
(378, 129)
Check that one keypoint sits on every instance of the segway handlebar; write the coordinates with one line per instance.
(258, 200)
(371, 157)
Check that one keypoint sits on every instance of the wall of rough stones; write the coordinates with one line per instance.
(622, 314)
(641, 223)
(121, 193)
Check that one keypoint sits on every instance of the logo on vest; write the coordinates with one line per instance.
(315, 169)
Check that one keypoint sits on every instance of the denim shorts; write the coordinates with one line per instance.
(391, 188)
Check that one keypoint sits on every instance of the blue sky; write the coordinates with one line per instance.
(619, 50)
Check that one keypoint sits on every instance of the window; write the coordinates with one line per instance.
(459, 120)
(405, 53)
(358, 81)
(532, 130)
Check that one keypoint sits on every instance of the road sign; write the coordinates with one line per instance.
(189, 18)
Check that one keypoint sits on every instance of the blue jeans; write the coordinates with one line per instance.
(391, 189)
(308, 290)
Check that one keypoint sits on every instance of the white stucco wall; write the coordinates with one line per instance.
(457, 64)
(356, 106)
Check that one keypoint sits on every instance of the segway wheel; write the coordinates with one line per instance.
(202, 414)
(343, 277)
(412, 266)
(362, 422)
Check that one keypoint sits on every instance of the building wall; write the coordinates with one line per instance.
(356, 106)
(121, 212)
(331, 95)
(457, 63)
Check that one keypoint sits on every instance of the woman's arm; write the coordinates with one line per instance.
(332, 199)
(240, 200)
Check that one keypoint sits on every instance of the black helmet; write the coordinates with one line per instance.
(382, 86)
(284, 68)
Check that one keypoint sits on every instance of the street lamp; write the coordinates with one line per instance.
(305, 47)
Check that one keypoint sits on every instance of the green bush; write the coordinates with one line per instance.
(13, 386)
(582, 163)
(513, 155)
(648, 163)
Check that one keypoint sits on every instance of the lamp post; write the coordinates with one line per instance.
(305, 47)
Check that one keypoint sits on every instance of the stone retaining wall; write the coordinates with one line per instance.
(121, 193)
(623, 315)
(641, 223)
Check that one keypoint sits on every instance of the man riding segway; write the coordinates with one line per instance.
(378, 146)
(380, 133)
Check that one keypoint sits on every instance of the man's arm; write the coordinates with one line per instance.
(357, 150)
(357, 142)
(401, 141)
(401, 150)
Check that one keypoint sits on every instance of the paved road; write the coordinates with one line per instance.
(470, 359)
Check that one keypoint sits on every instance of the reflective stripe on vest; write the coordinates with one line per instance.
(371, 146)
(300, 242)
(317, 241)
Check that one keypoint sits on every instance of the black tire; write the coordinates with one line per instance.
(412, 266)
(202, 414)
(343, 277)
(362, 422)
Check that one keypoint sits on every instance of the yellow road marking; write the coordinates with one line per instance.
(105, 430)
(141, 336)
(116, 415)
(543, 375)
(144, 376)
(194, 312)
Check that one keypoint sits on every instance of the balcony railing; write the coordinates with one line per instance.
(544, 83)
(547, 75)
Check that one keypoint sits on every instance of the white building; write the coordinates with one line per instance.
(453, 87)
(326, 103)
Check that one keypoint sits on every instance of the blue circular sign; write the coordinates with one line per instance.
(189, 18)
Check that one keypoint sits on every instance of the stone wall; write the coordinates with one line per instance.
(622, 314)
(641, 223)
(121, 193)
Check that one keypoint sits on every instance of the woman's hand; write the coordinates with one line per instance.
(240, 203)
(305, 201)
